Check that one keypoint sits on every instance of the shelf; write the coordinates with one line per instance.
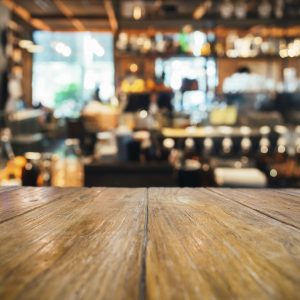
(263, 57)
(156, 55)
(170, 24)
(175, 55)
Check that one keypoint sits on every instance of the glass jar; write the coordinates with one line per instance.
(9, 173)
(31, 170)
(6, 152)
(45, 175)
(73, 164)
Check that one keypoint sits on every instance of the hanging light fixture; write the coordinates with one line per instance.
(202, 9)
(138, 10)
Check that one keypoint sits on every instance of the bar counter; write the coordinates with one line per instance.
(158, 243)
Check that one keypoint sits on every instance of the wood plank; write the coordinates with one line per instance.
(201, 246)
(87, 246)
(8, 188)
(25, 15)
(283, 207)
(17, 201)
(294, 192)
(113, 21)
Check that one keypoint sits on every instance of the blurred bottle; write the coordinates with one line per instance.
(220, 49)
(207, 171)
(31, 170)
(73, 164)
(184, 40)
(190, 149)
(209, 48)
(9, 173)
(264, 156)
(45, 176)
(226, 9)
(227, 147)
(206, 49)
(297, 143)
(281, 154)
(6, 152)
(58, 170)
(297, 146)
(246, 146)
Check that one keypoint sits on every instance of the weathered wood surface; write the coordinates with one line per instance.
(149, 244)
(282, 205)
(87, 245)
(202, 246)
(18, 201)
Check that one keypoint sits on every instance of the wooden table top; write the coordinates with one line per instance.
(103, 243)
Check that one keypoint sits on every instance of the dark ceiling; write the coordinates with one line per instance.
(97, 15)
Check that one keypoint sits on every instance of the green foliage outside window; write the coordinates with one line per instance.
(71, 92)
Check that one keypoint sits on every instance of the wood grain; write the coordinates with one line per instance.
(81, 243)
(293, 192)
(201, 246)
(279, 205)
(88, 245)
(9, 188)
(17, 201)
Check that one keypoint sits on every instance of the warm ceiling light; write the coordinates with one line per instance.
(133, 68)
(169, 143)
(137, 12)
(30, 46)
(97, 48)
(44, 5)
(25, 44)
(201, 10)
(35, 49)
(62, 49)
(67, 52)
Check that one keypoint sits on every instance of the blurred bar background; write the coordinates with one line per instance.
(150, 93)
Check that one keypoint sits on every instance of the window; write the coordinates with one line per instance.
(70, 67)
(201, 69)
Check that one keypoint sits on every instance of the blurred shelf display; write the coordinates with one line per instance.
(206, 93)
(121, 55)
(148, 55)
(189, 43)
(206, 14)
(185, 42)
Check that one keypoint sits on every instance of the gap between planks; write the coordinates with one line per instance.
(142, 285)
(35, 207)
(216, 192)
(143, 274)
